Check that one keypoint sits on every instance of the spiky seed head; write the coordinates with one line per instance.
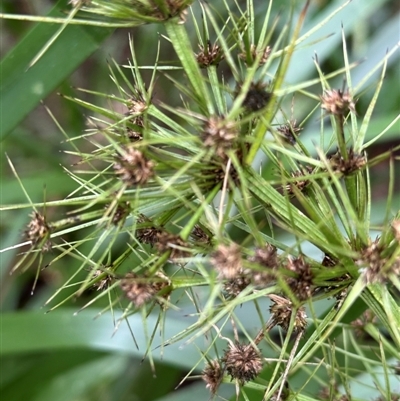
(142, 289)
(104, 282)
(219, 134)
(302, 284)
(300, 183)
(267, 257)
(337, 102)
(133, 168)
(178, 247)
(257, 97)
(281, 312)
(38, 231)
(212, 375)
(209, 55)
(374, 266)
(148, 235)
(243, 362)
(353, 163)
(227, 261)
(359, 324)
(265, 53)
(290, 131)
(236, 285)
(199, 235)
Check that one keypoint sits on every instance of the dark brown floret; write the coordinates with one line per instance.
(219, 134)
(265, 53)
(38, 232)
(147, 235)
(121, 213)
(257, 97)
(300, 183)
(133, 168)
(303, 283)
(174, 243)
(267, 258)
(227, 261)
(212, 375)
(243, 362)
(290, 131)
(346, 167)
(281, 313)
(236, 285)
(104, 282)
(209, 55)
(199, 235)
(337, 102)
(141, 289)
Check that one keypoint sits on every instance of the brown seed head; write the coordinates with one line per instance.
(375, 267)
(209, 55)
(281, 312)
(104, 282)
(257, 97)
(147, 235)
(219, 134)
(227, 261)
(167, 241)
(302, 284)
(290, 131)
(337, 102)
(133, 168)
(267, 258)
(236, 285)
(300, 183)
(141, 289)
(38, 231)
(346, 167)
(243, 362)
(265, 53)
(199, 235)
(212, 375)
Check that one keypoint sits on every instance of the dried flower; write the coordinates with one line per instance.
(290, 131)
(236, 285)
(212, 375)
(147, 235)
(267, 258)
(265, 53)
(174, 243)
(120, 213)
(199, 235)
(242, 362)
(142, 289)
(374, 266)
(257, 97)
(302, 284)
(346, 167)
(38, 232)
(337, 102)
(281, 312)
(209, 55)
(133, 168)
(301, 183)
(219, 134)
(105, 280)
(227, 261)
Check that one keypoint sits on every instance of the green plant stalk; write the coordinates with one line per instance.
(278, 81)
(180, 41)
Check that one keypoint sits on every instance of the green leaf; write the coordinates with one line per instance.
(22, 89)
(62, 330)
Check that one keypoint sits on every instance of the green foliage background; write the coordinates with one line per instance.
(60, 356)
